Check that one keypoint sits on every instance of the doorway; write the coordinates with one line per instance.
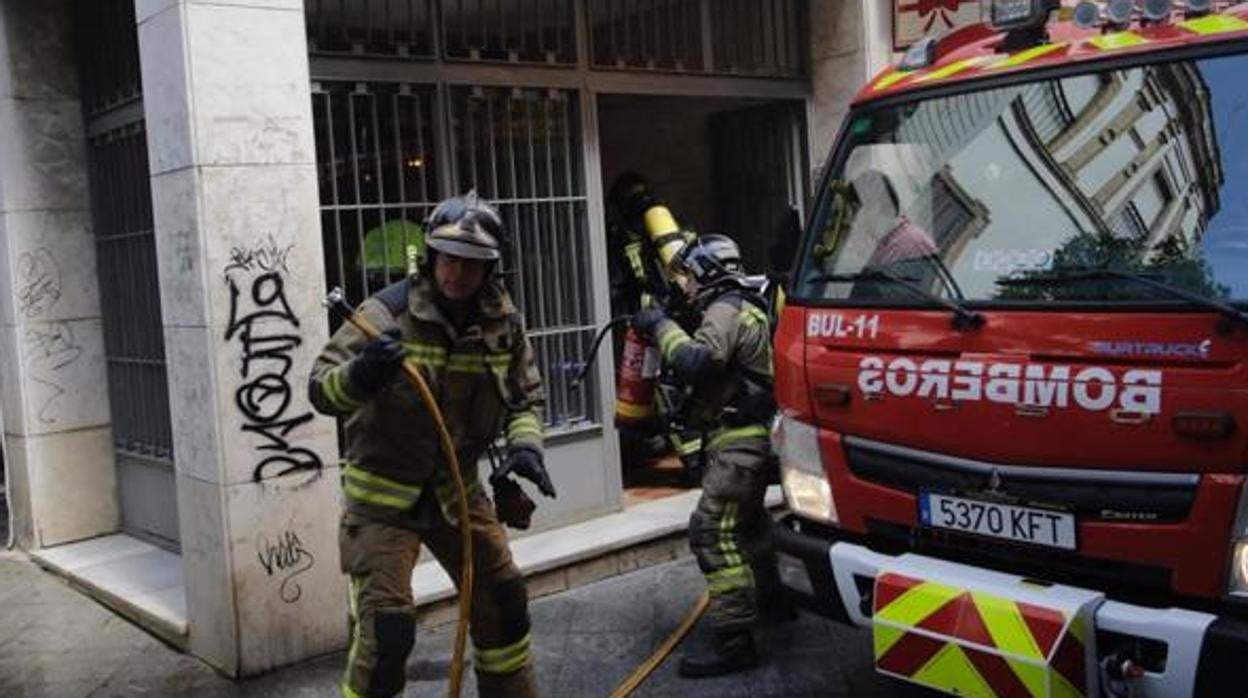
(730, 165)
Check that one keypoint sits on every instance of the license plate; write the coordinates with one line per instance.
(1053, 529)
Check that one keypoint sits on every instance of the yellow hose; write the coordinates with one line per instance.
(655, 660)
(465, 531)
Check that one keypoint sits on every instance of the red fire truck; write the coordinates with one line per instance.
(1013, 366)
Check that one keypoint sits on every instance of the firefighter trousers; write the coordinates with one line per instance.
(730, 532)
(379, 557)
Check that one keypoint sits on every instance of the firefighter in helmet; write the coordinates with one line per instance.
(725, 365)
(453, 321)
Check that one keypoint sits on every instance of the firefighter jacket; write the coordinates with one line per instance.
(484, 379)
(726, 364)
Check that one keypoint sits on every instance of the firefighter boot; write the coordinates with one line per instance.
(719, 652)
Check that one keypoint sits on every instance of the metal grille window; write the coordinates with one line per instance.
(130, 293)
(371, 27)
(759, 37)
(378, 180)
(109, 54)
(530, 31)
(521, 150)
(751, 37)
(647, 34)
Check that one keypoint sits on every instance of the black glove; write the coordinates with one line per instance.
(376, 366)
(526, 461)
(645, 321)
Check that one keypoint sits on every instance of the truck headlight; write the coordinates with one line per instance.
(806, 488)
(1237, 584)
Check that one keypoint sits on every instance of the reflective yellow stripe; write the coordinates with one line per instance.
(737, 434)
(505, 660)
(884, 637)
(671, 340)
(632, 411)
(1117, 40)
(686, 448)
(633, 252)
(347, 691)
(729, 542)
(448, 501)
(917, 603)
(523, 425)
(751, 316)
(1029, 55)
(367, 497)
(367, 488)
(892, 79)
(729, 579)
(951, 671)
(1214, 24)
(1032, 675)
(364, 477)
(953, 69)
(333, 388)
(1006, 626)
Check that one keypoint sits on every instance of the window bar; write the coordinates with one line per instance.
(535, 222)
(512, 169)
(125, 245)
(422, 171)
(333, 179)
(359, 194)
(614, 43)
(629, 12)
(151, 294)
(556, 259)
(400, 164)
(492, 148)
(370, 98)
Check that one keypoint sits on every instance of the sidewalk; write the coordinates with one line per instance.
(56, 642)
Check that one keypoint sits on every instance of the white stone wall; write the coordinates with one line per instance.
(53, 387)
(228, 108)
(850, 42)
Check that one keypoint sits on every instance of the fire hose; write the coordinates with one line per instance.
(336, 302)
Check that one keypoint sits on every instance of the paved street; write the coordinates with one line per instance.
(56, 642)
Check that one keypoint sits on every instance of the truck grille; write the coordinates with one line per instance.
(1097, 495)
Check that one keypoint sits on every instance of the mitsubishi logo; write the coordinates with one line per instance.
(994, 481)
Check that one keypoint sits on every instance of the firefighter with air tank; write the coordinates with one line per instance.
(722, 358)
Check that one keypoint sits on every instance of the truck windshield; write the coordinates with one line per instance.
(990, 196)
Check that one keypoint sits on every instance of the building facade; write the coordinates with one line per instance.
(182, 181)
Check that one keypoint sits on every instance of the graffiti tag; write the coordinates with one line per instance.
(286, 556)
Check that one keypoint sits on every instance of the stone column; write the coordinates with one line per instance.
(53, 385)
(850, 41)
(228, 107)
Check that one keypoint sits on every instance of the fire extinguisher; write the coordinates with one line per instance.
(634, 385)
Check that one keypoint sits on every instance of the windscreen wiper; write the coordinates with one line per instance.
(1226, 310)
(963, 318)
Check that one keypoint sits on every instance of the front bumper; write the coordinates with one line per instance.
(1201, 653)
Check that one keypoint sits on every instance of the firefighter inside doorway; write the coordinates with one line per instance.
(454, 321)
(640, 231)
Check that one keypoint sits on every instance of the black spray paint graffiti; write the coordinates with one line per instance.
(49, 349)
(268, 257)
(266, 394)
(287, 556)
(39, 277)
